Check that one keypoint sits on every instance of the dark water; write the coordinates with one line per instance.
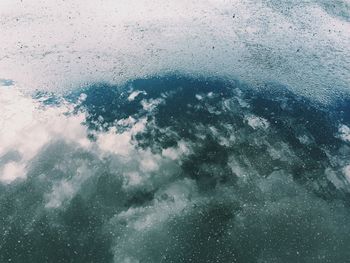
(224, 173)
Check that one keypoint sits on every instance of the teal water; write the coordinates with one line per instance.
(219, 172)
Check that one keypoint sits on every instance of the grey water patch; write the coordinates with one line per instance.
(338, 8)
(6, 82)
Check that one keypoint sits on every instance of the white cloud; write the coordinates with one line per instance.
(257, 122)
(149, 162)
(26, 126)
(64, 190)
(151, 104)
(168, 201)
(134, 94)
(175, 153)
(346, 171)
(121, 143)
(344, 133)
(12, 171)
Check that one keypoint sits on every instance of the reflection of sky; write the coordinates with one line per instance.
(188, 169)
(237, 152)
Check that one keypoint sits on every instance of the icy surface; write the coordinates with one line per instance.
(60, 44)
